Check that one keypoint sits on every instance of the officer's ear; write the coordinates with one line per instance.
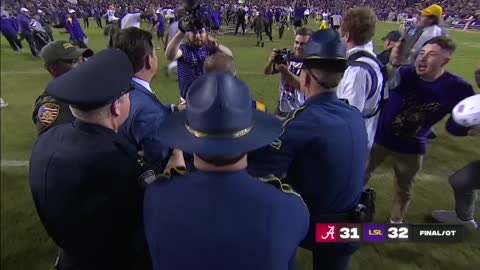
(148, 64)
(115, 108)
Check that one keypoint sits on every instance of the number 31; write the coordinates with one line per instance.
(346, 233)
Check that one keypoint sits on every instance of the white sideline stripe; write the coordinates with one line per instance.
(43, 72)
(14, 163)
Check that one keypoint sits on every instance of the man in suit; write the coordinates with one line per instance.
(84, 176)
(147, 111)
(220, 217)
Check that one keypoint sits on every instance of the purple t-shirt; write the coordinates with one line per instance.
(190, 65)
(415, 105)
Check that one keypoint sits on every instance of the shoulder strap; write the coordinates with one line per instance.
(353, 61)
(276, 182)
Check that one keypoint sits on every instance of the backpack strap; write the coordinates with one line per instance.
(353, 61)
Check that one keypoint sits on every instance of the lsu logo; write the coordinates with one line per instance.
(375, 232)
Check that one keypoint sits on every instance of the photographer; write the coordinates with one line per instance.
(191, 55)
(291, 97)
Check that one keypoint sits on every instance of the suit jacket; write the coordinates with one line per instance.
(146, 115)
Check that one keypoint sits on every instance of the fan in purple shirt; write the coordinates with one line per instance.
(423, 96)
(191, 55)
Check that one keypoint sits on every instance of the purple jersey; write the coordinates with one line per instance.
(190, 65)
(415, 105)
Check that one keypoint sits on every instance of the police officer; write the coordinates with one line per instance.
(59, 57)
(323, 148)
(83, 176)
(220, 217)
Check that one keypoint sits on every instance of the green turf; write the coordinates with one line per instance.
(24, 244)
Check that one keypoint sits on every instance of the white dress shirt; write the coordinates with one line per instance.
(143, 83)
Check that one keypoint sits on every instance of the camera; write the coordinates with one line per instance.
(195, 16)
(283, 56)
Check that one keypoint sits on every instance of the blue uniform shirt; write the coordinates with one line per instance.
(7, 27)
(140, 128)
(83, 179)
(322, 152)
(223, 220)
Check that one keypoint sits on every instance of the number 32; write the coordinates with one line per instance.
(394, 233)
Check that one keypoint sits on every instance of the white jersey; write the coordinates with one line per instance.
(111, 15)
(131, 20)
(356, 86)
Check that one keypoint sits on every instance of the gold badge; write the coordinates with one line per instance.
(48, 113)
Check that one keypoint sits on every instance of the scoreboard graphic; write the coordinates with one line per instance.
(372, 232)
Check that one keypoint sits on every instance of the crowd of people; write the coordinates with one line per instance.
(176, 186)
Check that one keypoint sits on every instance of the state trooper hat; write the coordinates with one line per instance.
(219, 119)
(99, 81)
(325, 49)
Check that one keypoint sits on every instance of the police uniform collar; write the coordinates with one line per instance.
(92, 128)
(321, 98)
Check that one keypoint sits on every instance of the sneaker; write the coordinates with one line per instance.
(3, 104)
(263, 44)
(451, 217)
(395, 222)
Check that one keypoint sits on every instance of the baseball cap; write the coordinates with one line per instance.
(62, 50)
(432, 10)
(23, 9)
(71, 11)
(393, 36)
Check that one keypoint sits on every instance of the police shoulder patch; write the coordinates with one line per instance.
(172, 172)
(48, 113)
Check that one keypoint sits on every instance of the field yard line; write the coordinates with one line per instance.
(14, 163)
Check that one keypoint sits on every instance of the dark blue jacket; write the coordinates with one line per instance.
(223, 220)
(146, 115)
(322, 153)
(24, 24)
(7, 27)
(83, 179)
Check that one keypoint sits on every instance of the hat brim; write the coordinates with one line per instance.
(174, 134)
(75, 54)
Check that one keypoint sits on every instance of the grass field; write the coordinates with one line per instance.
(25, 245)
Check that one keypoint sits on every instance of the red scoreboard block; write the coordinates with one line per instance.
(326, 232)
(337, 232)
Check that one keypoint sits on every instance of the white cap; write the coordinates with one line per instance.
(39, 11)
(71, 11)
(23, 9)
